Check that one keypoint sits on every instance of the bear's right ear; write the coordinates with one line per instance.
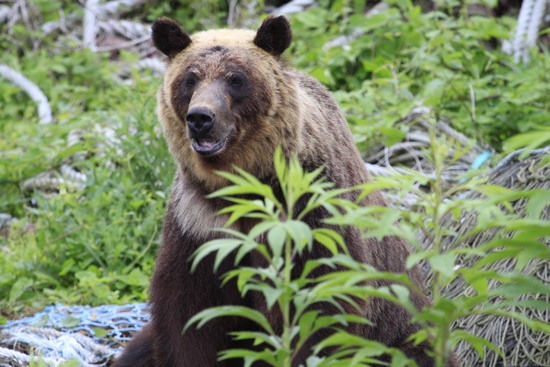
(168, 37)
(274, 35)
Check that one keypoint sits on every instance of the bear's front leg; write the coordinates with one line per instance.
(177, 294)
(192, 348)
(139, 353)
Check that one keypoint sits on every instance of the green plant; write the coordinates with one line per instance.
(530, 140)
(40, 362)
(192, 15)
(494, 291)
(296, 296)
(405, 58)
(95, 245)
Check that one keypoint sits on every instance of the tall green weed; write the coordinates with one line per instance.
(281, 236)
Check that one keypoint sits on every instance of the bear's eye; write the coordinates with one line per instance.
(190, 82)
(236, 81)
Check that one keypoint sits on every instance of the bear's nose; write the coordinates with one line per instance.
(200, 120)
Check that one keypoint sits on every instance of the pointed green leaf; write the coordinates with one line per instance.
(443, 264)
(276, 238)
(211, 313)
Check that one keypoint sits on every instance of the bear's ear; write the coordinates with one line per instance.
(274, 35)
(168, 37)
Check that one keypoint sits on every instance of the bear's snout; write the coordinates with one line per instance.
(200, 120)
(208, 137)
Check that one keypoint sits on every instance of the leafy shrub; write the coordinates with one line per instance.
(193, 15)
(494, 291)
(405, 58)
(94, 246)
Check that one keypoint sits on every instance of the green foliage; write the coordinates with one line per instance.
(287, 237)
(39, 362)
(97, 245)
(192, 15)
(530, 140)
(495, 289)
(405, 58)
(280, 236)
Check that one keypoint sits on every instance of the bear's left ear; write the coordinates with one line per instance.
(168, 37)
(274, 35)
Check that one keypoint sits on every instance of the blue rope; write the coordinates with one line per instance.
(480, 159)
(119, 321)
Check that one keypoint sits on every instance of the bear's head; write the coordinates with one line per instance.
(227, 99)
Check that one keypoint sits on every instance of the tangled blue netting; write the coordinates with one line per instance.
(91, 335)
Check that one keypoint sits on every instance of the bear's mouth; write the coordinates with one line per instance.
(209, 146)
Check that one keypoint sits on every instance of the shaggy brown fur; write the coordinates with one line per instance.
(227, 99)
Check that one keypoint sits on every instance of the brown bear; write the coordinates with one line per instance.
(229, 100)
